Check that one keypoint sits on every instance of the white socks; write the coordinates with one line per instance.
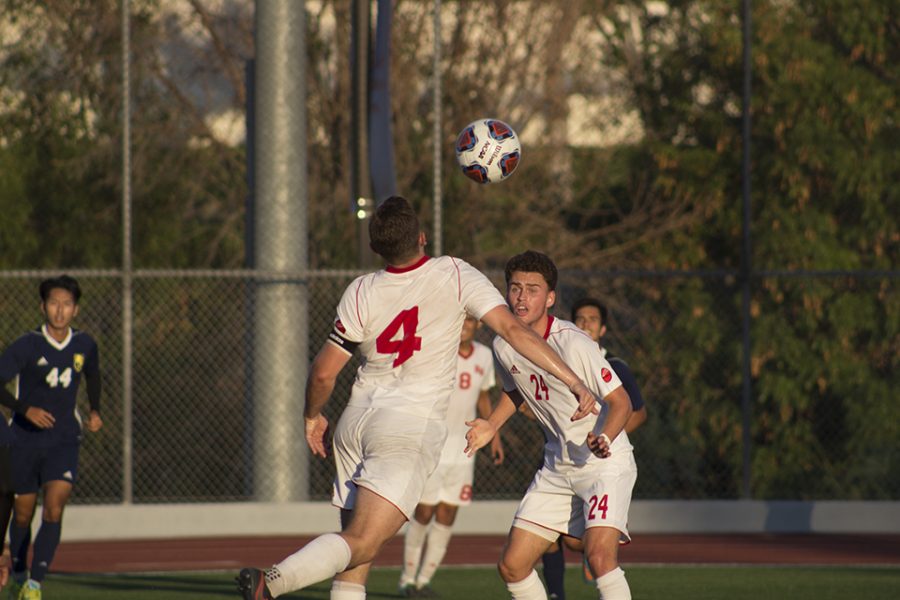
(412, 551)
(343, 590)
(613, 585)
(321, 559)
(530, 588)
(435, 549)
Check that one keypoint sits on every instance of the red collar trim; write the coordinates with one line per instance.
(415, 265)
(549, 324)
(471, 352)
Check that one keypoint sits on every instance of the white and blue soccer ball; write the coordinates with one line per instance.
(488, 150)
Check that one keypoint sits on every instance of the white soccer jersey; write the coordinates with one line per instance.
(550, 399)
(407, 324)
(474, 374)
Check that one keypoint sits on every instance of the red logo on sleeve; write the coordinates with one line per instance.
(605, 375)
(339, 326)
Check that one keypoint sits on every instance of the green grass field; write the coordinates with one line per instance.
(647, 583)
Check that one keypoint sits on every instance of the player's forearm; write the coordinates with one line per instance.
(11, 402)
(502, 412)
(619, 413)
(530, 345)
(93, 391)
(318, 391)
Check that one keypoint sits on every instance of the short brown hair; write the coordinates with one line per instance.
(394, 230)
(531, 261)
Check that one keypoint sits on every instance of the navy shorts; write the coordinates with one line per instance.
(32, 467)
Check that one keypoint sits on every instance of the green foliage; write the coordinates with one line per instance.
(825, 167)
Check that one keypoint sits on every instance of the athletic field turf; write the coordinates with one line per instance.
(462, 583)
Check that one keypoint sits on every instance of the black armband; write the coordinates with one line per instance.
(341, 342)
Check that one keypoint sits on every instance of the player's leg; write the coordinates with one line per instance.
(413, 542)
(576, 545)
(554, 562)
(436, 546)
(20, 535)
(351, 583)
(601, 547)
(374, 522)
(56, 495)
(524, 546)
(59, 472)
(26, 465)
(7, 497)
(606, 492)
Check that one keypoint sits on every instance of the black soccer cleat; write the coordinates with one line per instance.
(251, 584)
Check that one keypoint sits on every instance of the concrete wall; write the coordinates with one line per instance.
(108, 522)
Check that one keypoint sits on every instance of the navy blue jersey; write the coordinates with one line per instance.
(49, 373)
(628, 381)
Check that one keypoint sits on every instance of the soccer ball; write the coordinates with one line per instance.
(488, 150)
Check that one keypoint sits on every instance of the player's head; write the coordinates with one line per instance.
(530, 285)
(59, 300)
(589, 315)
(469, 327)
(394, 231)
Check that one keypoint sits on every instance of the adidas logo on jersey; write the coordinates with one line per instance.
(514, 370)
(42, 362)
(67, 475)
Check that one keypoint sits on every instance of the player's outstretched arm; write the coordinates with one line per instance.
(534, 348)
(482, 431)
(322, 377)
(619, 411)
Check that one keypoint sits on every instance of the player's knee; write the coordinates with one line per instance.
(602, 563)
(423, 513)
(511, 573)
(52, 514)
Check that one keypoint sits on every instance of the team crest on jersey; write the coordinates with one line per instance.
(605, 375)
(78, 362)
(479, 370)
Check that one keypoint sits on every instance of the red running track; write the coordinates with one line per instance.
(231, 553)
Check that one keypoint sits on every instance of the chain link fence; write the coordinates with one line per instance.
(823, 425)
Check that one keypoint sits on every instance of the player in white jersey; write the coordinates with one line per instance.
(450, 485)
(406, 321)
(583, 489)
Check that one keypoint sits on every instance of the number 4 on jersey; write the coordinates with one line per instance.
(408, 343)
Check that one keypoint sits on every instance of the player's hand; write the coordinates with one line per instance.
(39, 417)
(587, 403)
(480, 433)
(94, 422)
(316, 435)
(497, 450)
(599, 444)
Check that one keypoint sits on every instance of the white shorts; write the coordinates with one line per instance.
(451, 483)
(389, 452)
(569, 500)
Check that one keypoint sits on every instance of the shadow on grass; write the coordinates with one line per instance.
(185, 585)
